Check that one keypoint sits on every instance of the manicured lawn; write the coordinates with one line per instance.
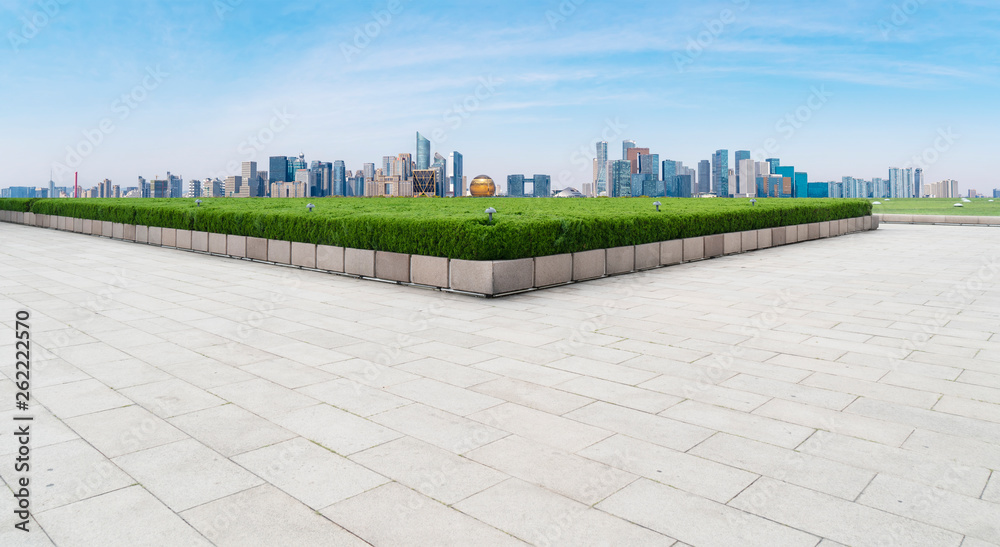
(980, 207)
(458, 228)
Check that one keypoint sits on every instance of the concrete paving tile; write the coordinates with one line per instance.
(126, 373)
(577, 478)
(207, 374)
(451, 353)
(619, 394)
(78, 398)
(335, 429)
(528, 372)
(969, 451)
(370, 373)
(871, 429)
(444, 396)
(354, 397)
(826, 515)
(65, 473)
(789, 391)
(395, 515)
(230, 430)
(696, 520)
(944, 387)
(704, 390)
(541, 517)
(873, 390)
(89, 354)
(263, 397)
(641, 425)
(442, 429)
(149, 522)
(531, 395)
(123, 430)
(739, 423)
(927, 419)
(541, 427)
(602, 370)
(310, 473)
(910, 464)
(265, 516)
(46, 429)
(691, 473)
(992, 492)
(962, 514)
(860, 372)
(186, 474)
(287, 373)
(816, 473)
(171, 398)
(432, 471)
(970, 409)
(449, 373)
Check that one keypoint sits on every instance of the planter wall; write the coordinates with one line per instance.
(482, 278)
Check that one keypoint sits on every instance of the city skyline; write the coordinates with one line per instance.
(822, 84)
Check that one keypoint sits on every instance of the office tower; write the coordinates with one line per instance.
(774, 164)
(424, 183)
(720, 173)
(669, 172)
(403, 167)
(194, 188)
(625, 146)
(456, 174)
(277, 169)
(542, 186)
(683, 184)
(159, 189)
(249, 176)
(746, 177)
(620, 178)
(633, 157)
(387, 162)
(440, 166)
(741, 185)
(369, 172)
(339, 179)
(601, 178)
(996, 193)
(423, 152)
(918, 181)
(649, 168)
(800, 185)
(704, 177)
(515, 186)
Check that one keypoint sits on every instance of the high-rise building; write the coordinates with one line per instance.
(425, 182)
(746, 171)
(194, 188)
(774, 164)
(633, 157)
(249, 175)
(542, 185)
(387, 162)
(649, 168)
(669, 175)
(277, 169)
(918, 181)
(704, 177)
(456, 174)
(620, 178)
(720, 173)
(339, 178)
(175, 185)
(403, 167)
(440, 165)
(369, 172)
(741, 184)
(684, 183)
(423, 152)
(601, 177)
(515, 186)
(159, 188)
(625, 146)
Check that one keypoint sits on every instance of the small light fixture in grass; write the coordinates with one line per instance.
(753, 202)
(310, 207)
(197, 203)
(657, 205)
(490, 212)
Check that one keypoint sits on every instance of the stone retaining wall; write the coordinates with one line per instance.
(483, 278)
(938, 219)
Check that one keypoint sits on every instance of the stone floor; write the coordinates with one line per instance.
(835, 392)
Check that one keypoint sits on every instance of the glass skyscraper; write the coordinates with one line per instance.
(339, 178)
(669, 178)
(515, 186)
(277, 169)
(625, 146)
(775, 163)
(620, 178)
(441, 168)
(720, 173)
(704, 177)
(741, 184)
(423, 152)
(601, 181)
(456, 173)
(542, 185)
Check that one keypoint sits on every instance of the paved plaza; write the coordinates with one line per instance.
(833, 392)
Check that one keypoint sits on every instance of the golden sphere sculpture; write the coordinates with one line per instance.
(482, 187)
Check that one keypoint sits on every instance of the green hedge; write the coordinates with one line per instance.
(20, 205)
(458, 228)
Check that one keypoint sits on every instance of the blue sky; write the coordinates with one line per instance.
(193, 87)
